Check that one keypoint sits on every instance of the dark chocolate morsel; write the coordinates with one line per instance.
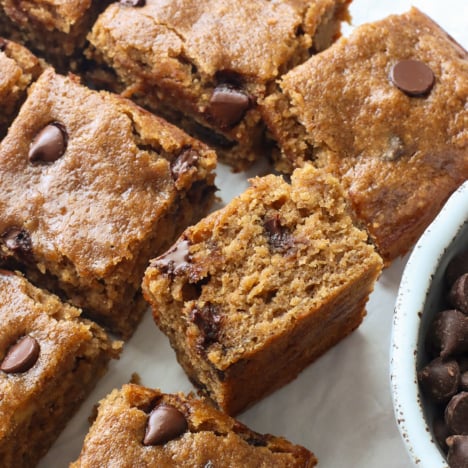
(165, 423)
(17, 241)
(175, 260)
(464, 381)
(185, 161)
(49, 144)
(21, 356)
(413, 77)
(208, 320)
(133, 3)
(458, 295)
(456, 414)
(457, 456)
(441, 432)
(279, 237)
(457, 266)
(3, 44)
(440, 379)
(228, 105)
(448, 334)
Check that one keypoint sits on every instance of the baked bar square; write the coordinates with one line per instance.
(56, 29)
(205, 64)
(138, 426)
(92, 186)
(258, 290)
(386, 111)
(50, 359)
(19, 68)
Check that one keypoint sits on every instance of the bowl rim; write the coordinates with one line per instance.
(409, 310)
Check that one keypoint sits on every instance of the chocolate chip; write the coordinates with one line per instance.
(458, 451)
(185, 161)
(413, 77)
(18, 242)
(3, 44)
(176, 260)
(208, 320)
(439, 380)
(279, 237)
(441, 431)
(257, 441)
(165, 423)
(228, 105)
(21, 356)
(464, 381)
(457, 266)
(448, 334)
(456, 414)
(458, 295)
(133, 3)
(49, 144)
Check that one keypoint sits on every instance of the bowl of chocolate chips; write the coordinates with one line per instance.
(429, 345)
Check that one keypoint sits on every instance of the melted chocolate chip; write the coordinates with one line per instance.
(279, 237)
(456, 267)
(165, 423)
(176, 260)
(448, 334)
(257, 441)
(458, 295)
(133, 3)
(208, 320)
(439, 380)
(18, 242)
(413, 77)
(21, 356)
(3, 44)
(228, 105)
(458, 451)
(187, 159)
(49, 144)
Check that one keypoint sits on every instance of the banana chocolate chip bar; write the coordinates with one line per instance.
(204, 64)
(259, 289)
(91, 188)
(50, 359)
(385, 110)
(138, 426)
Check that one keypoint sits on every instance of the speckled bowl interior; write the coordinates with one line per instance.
(422, 295)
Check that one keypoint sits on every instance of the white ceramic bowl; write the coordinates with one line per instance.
(419, 299)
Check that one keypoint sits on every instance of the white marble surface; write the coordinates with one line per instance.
(339, 407)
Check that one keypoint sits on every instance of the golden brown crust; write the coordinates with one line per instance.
(399, 157)
(277, 276)
(115, 439)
